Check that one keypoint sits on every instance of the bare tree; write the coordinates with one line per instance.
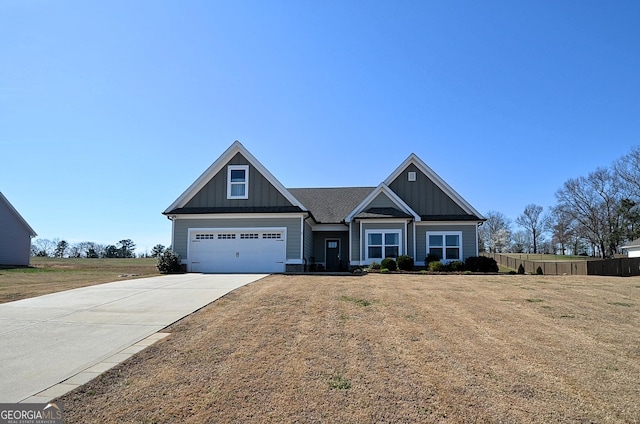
(563, 230)
(495, 232)
(534, 222)
(594, 203)
(521, 242)
(627, 168)
(43, 247)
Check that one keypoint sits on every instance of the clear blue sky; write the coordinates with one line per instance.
(109, 110)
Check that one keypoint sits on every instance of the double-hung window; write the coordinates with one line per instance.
(382, 244)
(238, 182)
(445, 245)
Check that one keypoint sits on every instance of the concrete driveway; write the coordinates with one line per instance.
(55, 338)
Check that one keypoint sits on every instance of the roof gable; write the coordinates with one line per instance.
(429, 195)
(206, 190)
(382, 201)
(8, 206)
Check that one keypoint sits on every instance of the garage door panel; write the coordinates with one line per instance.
(237, 251)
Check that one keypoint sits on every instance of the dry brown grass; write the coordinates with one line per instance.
(388, 348)
(50, 275)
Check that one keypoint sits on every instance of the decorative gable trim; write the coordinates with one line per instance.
(219, 165)
(382, 189)
(439, 182)
(17, 215)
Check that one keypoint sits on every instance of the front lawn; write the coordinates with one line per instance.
(388, 348)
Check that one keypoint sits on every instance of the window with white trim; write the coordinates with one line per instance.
(238, 182)
(382, 244)
(446, 245)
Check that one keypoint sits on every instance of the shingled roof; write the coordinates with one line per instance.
(331, 205)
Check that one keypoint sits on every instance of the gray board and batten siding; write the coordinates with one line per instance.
(424, 196)
(261, 192)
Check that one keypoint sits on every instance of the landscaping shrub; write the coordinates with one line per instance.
(405, 262)
(437, 266)
(456, 266)
(168, 262)
(481, 264)
(431, 258)
(389, 264)
(521, 269)
(539, 271)
(374, 265)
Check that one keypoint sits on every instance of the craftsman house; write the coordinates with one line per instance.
(237, 217)
(15, 235)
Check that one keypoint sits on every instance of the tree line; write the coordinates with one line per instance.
(594, 215)
(57, 248)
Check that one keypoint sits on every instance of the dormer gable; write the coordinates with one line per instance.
(235, 180)
(382, 202)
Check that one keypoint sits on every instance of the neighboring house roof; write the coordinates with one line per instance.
(438, 181)
(3, 200)
(217, 166)
(632, 244)
(331, 205)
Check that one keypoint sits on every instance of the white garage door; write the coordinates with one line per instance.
(237, 250)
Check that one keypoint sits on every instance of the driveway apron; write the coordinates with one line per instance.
(48, 339)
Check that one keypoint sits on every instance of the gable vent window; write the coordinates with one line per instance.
(411, 175)
(238, 182)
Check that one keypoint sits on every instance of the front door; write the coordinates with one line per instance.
(332, 254)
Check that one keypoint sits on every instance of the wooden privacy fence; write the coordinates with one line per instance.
(623, 267)
(548, 268)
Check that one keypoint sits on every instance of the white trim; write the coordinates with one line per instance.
(17, 215)
(444, 243)
(384, 231)
(361, 244)
(218, 165)
(239, 215)
(301, 240)
(415, 242)
(384, 189)
(385, 221)
(406, 237)
(230, 184)
(437, 180)
(435, 223)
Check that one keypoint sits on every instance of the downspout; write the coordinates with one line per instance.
(406, 237)
(415, 242)
(477, 230)
(349, 244)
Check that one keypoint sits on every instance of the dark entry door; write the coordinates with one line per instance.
(332, 255)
